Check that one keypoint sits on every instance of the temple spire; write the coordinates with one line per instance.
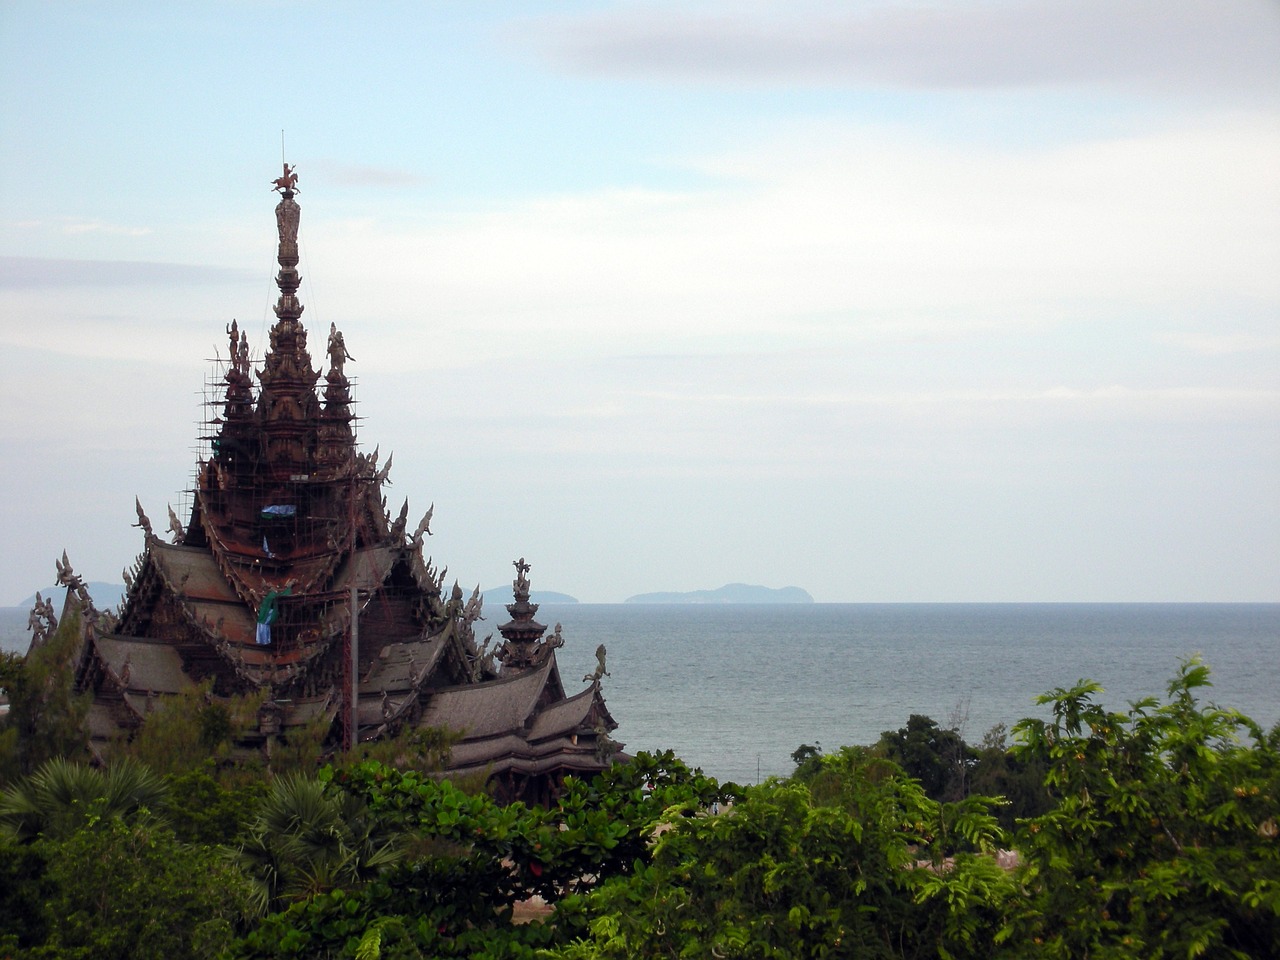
(522, 635)
(288, 382)
(288, 216)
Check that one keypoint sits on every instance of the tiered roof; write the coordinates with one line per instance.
(291, 567)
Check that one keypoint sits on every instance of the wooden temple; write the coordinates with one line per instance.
(292, 581)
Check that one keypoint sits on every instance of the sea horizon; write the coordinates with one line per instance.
(735, 688)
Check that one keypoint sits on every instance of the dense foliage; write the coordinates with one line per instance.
(827, 866)
(1149, 833)
(93, 872)
(950, 769)
(938, 758)
(471, 861)
(46, 717)
(1162, 841)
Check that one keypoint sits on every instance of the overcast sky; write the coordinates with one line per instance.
(893, 301)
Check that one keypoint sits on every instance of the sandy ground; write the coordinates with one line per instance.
(535, 908)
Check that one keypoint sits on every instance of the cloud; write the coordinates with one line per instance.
(75, 227)
(26, 272)
(826, 233)
(1217, 344)
(1113, 395)
(78, 226)
(363, 175)
(1169, 45)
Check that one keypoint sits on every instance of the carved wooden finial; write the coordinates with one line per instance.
(143, 520)
(424, 526)
(175, 526)
(287, 183)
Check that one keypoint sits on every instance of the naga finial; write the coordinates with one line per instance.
(600, 671)
(175, 526)
(143, 520)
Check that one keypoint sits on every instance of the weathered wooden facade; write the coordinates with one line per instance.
(291, 579)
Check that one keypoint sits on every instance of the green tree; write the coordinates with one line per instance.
(1016, 778)
(470, 859)
(1163, 838)
(63, 795)
(808, 759)
(1160, 840)
(24, 889)
(46, 717)
(828, 865)
(129, 890)
(181, 731)
(412, 748)
(308, 839)
(94, 873)
(938, 758)
(213, 806)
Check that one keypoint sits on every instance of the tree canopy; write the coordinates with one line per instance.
(1151, 833)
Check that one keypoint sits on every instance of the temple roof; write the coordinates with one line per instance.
(254, 597)
(570, 714)
(512, 755)
(401, 666)
(486, 709)
(142, 664)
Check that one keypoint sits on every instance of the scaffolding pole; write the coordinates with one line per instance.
(353, 674)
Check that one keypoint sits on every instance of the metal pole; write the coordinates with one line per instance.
(353, 683)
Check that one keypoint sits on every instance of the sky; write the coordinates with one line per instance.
(895, 301)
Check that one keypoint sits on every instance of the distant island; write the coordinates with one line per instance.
(14, 635)
(729, 593)
(104, 595)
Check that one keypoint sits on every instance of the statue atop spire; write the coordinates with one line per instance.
(337, 349)
(286, 183)
(287, 397)
(288, 215)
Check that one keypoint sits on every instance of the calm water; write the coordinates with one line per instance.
(735, 689)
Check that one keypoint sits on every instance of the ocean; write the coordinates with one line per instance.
(734, 689)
